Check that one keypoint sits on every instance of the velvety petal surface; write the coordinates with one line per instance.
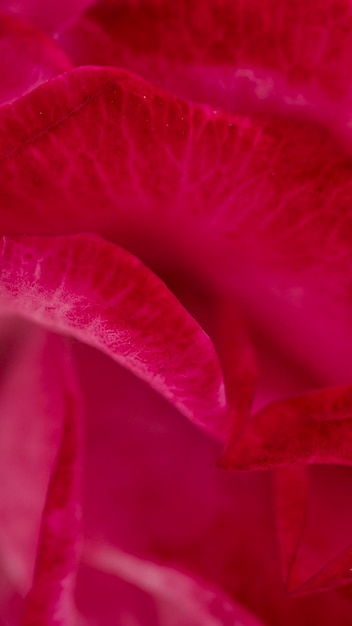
(99, 293)
(260, 205)
(259, 55)
(28, 58)
(315, 428)
(314, 524)
(153, 491)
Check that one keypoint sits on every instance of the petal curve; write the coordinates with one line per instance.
(101, 294)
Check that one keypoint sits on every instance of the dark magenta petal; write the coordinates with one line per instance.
(99, 293)
(315, 428)
(314, 527)
(232, 340)
(50, 600)
(28, 58)
(180, 599)
(291, 496)
(231, 53)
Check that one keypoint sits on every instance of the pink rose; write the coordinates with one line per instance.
(175, 277)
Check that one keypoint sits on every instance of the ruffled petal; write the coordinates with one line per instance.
(99, 293)
(28, 58)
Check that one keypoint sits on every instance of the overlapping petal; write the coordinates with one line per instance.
(261, 205)
(315, 428)
(104, 296)
(152, 490)
(313, 513)
(258, 207)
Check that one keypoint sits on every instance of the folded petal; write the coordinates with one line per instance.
(99, 293)
(28, 58)
(315, 428)
(276, 54)
(50, 600)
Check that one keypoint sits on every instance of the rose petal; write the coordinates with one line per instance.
(232, 340)
(223, 321)
(99, 293)
(314, 521)
(152, 490)
(50, 600)
(28, 58)
(315, 428)
(225, 198)
(179, 598)
(239, 55)
(291, 489)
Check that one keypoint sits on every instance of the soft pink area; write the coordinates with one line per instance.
(28, 58)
